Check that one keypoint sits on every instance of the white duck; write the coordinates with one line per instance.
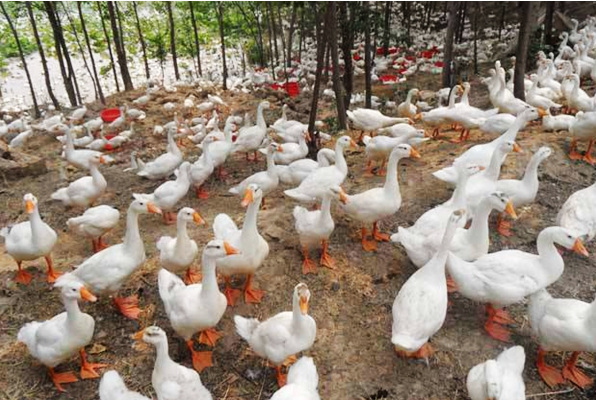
(202, 169)
(144, 100)
(562, 325)
(407, 109)
(177, 254)
(578, 99)
(78, 114)
(164, 165)
(399, 130)
(294, 173)
(197, 307)
(506, 277)
(302, 382)
(56, 340)
(282, 335)
(107, 270)
(370, 120)
(313, 187)
(78, 158)
(375, 204)
(557, 123)
(253, 248)
(380, 147)
(112, 387)
(170, 380)
(499, 379)
(291, 151)
(583, 128)
(497, 124)
(250, 138)
(578, 213)
(420, 307)
(536, 100)
(30, 240)
(86, 190)
(94, 223)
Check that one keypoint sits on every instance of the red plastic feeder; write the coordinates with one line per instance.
(356, 57)
(439, 64)
(110, 114)
(388, 78)
(292, 89)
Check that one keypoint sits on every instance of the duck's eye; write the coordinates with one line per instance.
(218, 247)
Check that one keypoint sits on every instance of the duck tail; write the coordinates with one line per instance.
(27, 334)
(304, 373)
(60, 194)
(111, 386)
(245, 326)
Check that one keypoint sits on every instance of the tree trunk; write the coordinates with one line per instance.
(68, 85)
(142, 39)
(223, 44)
(301, 34)
(405, 5)
(462, 21)
(291, 33)
(367, 56)
(90, 50)
(449, 37)
(42, 56)
(274, 31)
(15, 34)
(281, 34)
(523, 43)
(109, 44)
(66, 54)
(376, 25)
(347, 41)
(270, 34)
(386, 28)
(327, 64)
(196, 35)
(337, 84)
(502, 20)
(548, 23)
(477, 10)
(173, 39)
(322, 32)
(119, 49)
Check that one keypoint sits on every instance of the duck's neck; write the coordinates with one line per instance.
(531, 175)
(477, 234)
(325, 214)
(511, 133)
(132, 238)
(260, 118)
(228, 136)
(303, 144)
(209, 283)
(98, 179)
(208, 159)
(162, 359)
(549, 256)
(409, 98)
(271, 170)
(443, 250)
(182, 177)
(69, 141)
(464, 97)
(452, 97)
(494, 168)
(249, 227)
(182, 238)
(73, 312)
(172, 146)
(298, 319)
(391, 186)
(458, 198)
(36, 225)
(340, 160)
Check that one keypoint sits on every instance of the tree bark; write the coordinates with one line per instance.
(44, 62)
(301, 34)
(109, 44)
(502, 20)
(66, 53)
(449, 37)
(548, 23)
(523, 43)
(196, 36)
(281, 34)
(347, 41)
(462, 21)
(321, 45)
(337, 84)
(173, 39)
(270, 34)
(142, 39)
(223, 44)
(90, 50)
(367, 56)
(477, 10)
(291, 33)
(15, 34)
(386, 28)
(119, 48)
(274, 31)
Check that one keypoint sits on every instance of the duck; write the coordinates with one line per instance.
(439, 116)
(313, 187)
(497, 124)
(106, 271)
(202, 169)
(30, 240)
(20, 139)
(294, 173)
(78, 114)
(58, 339)
(119, 122)
(578, 213)
(399, 130)
(219, 152)
(144, 100)
(171, 380)
(164, 165)
(407, 109)
(557, 123)
(291, 152)
(420, 307)
(129, 133)
(578, 99)
(372, 205)
(536, 100)
(267, 180)
(481, 154)
(216, 100)
(80, 158)
(253, 248)
(177, 254)
(508, 276)
(468, 244)
(499, 379)
(83, 141)
(562, 325)
(94, 224)
(369, 120)
(583, 128)
(314, 229)
(379, 148)
(112, 387)
(86, 190)
(134, 114)
(302, 382)
(93, 125)
(197, 307)
(250, 138)
(282, 335)
(522, 191)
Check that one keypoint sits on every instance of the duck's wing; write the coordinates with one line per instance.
(224, 227)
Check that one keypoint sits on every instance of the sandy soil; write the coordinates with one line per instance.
(352, 306)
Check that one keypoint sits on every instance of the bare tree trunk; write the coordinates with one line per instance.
(322, 32)
(301, 34)
(270, 34)
(337, 85)
(15, 34)
(223, 44)
(449, 37)
(462, 21)
(386, 28)
(173, 39)
(109, 45)
(196, 35)
(347, 41)
(477, 10)
(274, 31)
(142, 39)
(502, 20)
(44, 62)
(367, 56)
(119, 49)
(281, 34)
(90, 50)
(526, 17)
(327, 64)
(291, 33)
(66, 53)
(548, 23)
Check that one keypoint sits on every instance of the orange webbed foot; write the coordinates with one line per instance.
(549, 374)
(574, 155)
(252, 295)
(327, 261)
(574, 374)
(282, 378)
(588, 158)
(497, 331)
(23, 277)
(202, 193)
(63, 377)
(200, 359)
(128, 306)
(192, 277)
(209, 337)
(232, 295)
(369, 245)
(53, 276)
(309, 267)
(381, 237)
(503, 227)
(88, 370)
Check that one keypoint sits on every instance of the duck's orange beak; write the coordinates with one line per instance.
(29, 206)
(248, 198)
(279, 149)
(579, 248)
(343, 197)
(304, 305)
(102, 160)
(139, 335)
(418, 117)
(542, 112)
(481, 168)
(230, 250)
(87, 295)
(153, 209)
(510, 210)
(353, 144)
(198, 219)
(517, 148)
(414, 153)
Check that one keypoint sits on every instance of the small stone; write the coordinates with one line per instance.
(335, 286)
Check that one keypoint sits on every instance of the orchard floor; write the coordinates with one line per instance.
(352, 305)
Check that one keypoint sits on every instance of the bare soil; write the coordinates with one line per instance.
(352, 306)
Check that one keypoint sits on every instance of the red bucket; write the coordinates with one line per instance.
(110, 114)
(292, 89)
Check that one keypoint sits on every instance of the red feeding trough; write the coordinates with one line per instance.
(292, 89)
(110, 114)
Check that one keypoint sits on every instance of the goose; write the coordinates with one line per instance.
(56, 340)
(301, 383)
(399, 130)
(164, 165)
(94, 224)
(578, 99)
(133, 114)
(86, 190)
(291, 152)
(578, 213)
(20, 139)
(30, 240)
(78, 114)
(79, 158)
(144, 100)
(583, 128)
(499, 379)
(557, 123)
(93, 125)
(439, 116)
(282, 335)
(506, 277)
(374, 204)
(106, 271)
(197, 307)
(369, 120)
(119, 122)
(250, 138)
(202, 169)
(112, 387)
(294, 173)
(536, 100)
(79, 142)
(171, 380)
(497, 124)
(128, 133)
(407, 109)
(216, 100)
(380, 147)
(219, 152)
(177, 254)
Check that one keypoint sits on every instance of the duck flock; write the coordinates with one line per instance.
(449, 243)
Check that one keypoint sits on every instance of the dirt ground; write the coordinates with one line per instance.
(352, 306)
